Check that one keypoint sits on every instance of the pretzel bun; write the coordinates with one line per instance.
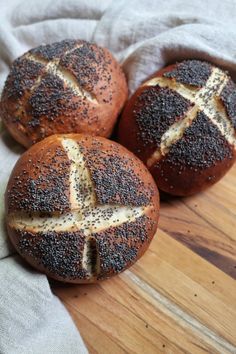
(182, 124)
(64, 87)
(81, 209)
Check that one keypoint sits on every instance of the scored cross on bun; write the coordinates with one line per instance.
(71, 86)
(182, 124)
(81, 208)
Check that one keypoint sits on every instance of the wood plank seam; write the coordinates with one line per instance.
(125, 350)
(182, 318)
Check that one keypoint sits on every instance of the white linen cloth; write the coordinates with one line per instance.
(144, 36)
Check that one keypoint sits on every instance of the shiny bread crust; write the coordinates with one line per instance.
(181, 123)
(81, 220)
(64, 87)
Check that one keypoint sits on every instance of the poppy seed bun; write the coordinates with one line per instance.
(65, 87)
(182, 124)
(81, 208)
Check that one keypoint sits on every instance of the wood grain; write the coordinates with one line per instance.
(206, 222)
(180, 297)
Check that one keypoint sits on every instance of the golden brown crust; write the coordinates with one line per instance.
(39, 181)
(64, 87)
(114, 170)
(57, 239)
(195, 162)
(131, 134)
(205, 151)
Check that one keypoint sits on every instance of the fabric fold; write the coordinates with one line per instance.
(144, 36)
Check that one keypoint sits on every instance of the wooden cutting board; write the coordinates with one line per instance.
(180, 297)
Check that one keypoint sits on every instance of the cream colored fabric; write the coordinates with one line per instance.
(144, 35)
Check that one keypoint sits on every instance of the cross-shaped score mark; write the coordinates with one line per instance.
(85, 216)
(53, 67)
(206, 100)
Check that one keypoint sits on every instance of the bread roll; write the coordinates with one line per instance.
(65, 87)
(81, 209)
(182, 124)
